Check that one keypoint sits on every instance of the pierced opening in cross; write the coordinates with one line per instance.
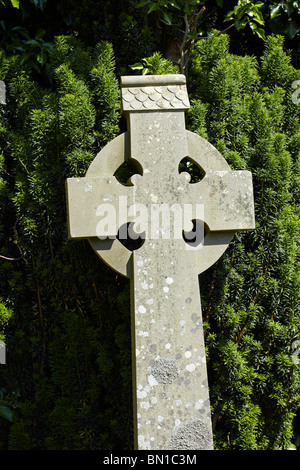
(194, 169)
(129, 168)
(130, 239)
(196, 236)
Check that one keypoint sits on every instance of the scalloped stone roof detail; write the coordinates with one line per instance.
(155, 97)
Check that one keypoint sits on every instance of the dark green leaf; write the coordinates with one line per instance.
(229, 16)
(40, 33)
(260, 33)
(5, 411)
(292, 29)
(153, 7)
(142, 3)
(168, 18)
(192, 35)
(240, 24)
(42, 57)
(32, 42)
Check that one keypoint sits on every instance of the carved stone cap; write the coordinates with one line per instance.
(154, 92)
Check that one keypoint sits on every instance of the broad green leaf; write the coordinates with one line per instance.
(229, 16)
(26, 56)
(275, 11)
(42, 57)
(237, 9)
(240, 10)
(152, 7)
(260, 33)
(258, 17)
(15, 3)
(40, 33)
(168, 18)
(240, 24)
(192, 35)
(5, 411)
(48, 45)
(32, 42)
(292, 29)
(142, 3)
(21, 31)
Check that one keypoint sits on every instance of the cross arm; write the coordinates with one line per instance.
(228, 200)
(89, 200)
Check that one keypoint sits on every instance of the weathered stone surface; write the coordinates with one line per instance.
(171, 396)
(169, 346)
(193, 435)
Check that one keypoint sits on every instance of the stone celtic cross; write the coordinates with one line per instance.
(170, 386)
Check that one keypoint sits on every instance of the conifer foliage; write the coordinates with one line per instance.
(65, 316)
(67, 378)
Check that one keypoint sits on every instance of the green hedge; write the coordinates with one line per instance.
(65, 316)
